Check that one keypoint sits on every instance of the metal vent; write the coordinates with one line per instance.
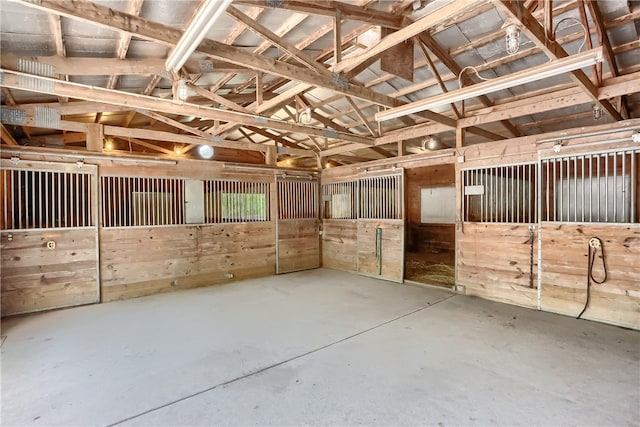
(36, 68)
(45, 117)
(13, 116)
(35, 84)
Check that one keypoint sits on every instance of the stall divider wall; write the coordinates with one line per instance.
(144, 246)
(494, 258)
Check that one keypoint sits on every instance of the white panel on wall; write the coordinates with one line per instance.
(194, 201)
(438, 205)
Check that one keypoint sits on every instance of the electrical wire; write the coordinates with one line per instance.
(475, 70)
(584, 29)
(594, 244)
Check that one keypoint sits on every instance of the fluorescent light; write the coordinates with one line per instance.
(200, 24)
(549, 69)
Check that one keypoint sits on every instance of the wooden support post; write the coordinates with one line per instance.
(401, 148)
(271, 156)
(259, 84)
(6, 136)
(459, 137)
(95, 137)
(337, 38)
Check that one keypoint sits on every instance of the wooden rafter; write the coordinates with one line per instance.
(133, 8)
(219, 99)
(361, 116)
(153, 82)
(56, 28)
(276, 40)
(7, 138)
(328, 8)
(610, 57)
(97, 66)
(435, 73)
(60, 88)
(536, 104)
(154, 31)
(407, 32)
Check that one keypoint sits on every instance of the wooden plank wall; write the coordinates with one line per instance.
(339, 244)
(35, 277)
(392, 248)
(137, 261)
(564, 276)
(298, 244)
(493, 262)
(142, 261)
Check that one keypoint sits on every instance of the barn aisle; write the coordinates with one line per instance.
(316, 347)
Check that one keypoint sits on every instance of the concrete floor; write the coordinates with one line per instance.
(319, 347)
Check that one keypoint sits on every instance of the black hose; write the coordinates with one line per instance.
(593, 245)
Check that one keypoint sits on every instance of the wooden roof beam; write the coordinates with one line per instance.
(362, 117)
(328, 8)
(628, 83)
(536, 33)
(98, 66)
(435, 73)
(288, 25)
(276, 40)
(120, 21)
(219, 99)
(147, 91)
(7, 138)
(59, 88)
(449, 10)
(603, 38)
(133, 7)
(56, 28)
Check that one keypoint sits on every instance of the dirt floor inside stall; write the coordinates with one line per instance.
(432, 267)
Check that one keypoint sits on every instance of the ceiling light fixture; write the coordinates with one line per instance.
(305, 116)
(431, 143)
(205, 151)
(512, 39)
(182, 91)
(597, 112)
(198, 28)
(549, 69)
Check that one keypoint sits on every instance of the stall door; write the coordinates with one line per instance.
(49, 236)
(381, 226)
(298, 226)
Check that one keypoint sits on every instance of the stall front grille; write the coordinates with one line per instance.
(505, 194)
(380, 197)
(340, 200)
(598, 187)
(235, 201)
(142, 201)
(297, 199)
(45, 199)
